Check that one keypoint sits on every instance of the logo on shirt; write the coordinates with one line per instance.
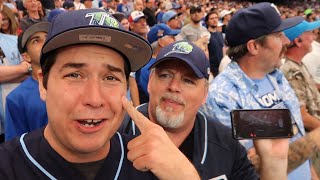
(181, 47)
(270, 100)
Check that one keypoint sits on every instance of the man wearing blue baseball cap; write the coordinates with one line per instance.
(171, 19)
(252, 80)
(178, 86)
(300, 79)
(85, 62)
(159, 36)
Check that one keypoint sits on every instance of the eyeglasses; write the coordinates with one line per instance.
(175, 17)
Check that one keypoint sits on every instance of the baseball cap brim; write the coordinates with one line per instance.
(38, 27)
(287, 23)
(125, 42)
(137, 19)
(193, 67)
(174, 32)
(302, 27)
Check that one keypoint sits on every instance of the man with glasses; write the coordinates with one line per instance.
(171, 19)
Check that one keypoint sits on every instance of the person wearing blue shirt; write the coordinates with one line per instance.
(25, 111)
(159, 36)
(252, 80)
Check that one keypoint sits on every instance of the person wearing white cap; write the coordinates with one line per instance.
(138, 23)
(225, 17)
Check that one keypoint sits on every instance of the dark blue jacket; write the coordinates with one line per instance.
(15, 164)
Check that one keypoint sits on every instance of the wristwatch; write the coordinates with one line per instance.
(29, 69)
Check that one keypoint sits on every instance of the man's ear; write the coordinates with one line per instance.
(252, 47)
(206, 92)
(42, 89)
(26, 57)
(297, 41)
(160, 42)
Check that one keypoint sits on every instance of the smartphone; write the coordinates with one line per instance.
(261, 123)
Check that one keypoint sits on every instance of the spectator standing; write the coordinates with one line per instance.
(149, 13)
(25, 111)
(216, 42)
(33, 16)
(194, 30)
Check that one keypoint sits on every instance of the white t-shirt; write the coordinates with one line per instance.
(312, 61)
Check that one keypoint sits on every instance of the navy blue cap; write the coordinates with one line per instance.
(68, 5)
(53, 13)
(302, 27)
(95, 26)
(189, 53)
(255, 21)
(34, 28)
(160, 30)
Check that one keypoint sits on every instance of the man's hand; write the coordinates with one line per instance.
(274, 157)
(153, 150)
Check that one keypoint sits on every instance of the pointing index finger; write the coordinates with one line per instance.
(139, 119)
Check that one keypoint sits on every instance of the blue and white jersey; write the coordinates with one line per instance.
(233, 89)
(8, 44)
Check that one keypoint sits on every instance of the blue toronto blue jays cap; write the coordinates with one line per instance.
(189, 53)
(95, 26)
(302, 27)
(168, 15)
(160, 30)
(255, 21)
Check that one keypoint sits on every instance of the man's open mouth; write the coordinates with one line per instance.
(90, 122)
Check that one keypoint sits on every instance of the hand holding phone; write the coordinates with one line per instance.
(261, 123)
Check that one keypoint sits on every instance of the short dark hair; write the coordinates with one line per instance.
(237, 52)
(194, 9)
(208, 15)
